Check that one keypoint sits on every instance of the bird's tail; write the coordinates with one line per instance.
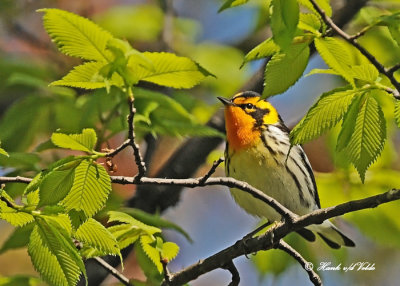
(331, 235)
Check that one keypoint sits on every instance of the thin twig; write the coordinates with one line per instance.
(314, 278)
(132, 137)
(353, 41)
(121, 147)
(211, 171)
(17, 179)
(114, 272)
(164, 263)
(235, 273)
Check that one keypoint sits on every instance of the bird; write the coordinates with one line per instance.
(258, 151)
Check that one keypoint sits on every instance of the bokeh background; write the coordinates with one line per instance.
(218, 41)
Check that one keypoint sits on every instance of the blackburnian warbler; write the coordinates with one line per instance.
(258, 152)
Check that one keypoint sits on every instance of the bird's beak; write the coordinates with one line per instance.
(225, 101)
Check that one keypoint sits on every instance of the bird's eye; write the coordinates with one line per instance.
(249, 106)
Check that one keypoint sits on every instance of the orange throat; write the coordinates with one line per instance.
(240, 129)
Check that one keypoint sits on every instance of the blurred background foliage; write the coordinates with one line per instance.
(30, 111)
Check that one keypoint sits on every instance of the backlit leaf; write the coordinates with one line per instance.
(284, 20)
(367, 141)
(75, 35)
(397, 112)
(336, 56)
(94, 234)
(84, 141)
(169, 250)
(55, 186)
(13, 216)
(90, 189)
(265, 49)
(290, 63)
(148, 245)
(323, 115)
(170, 70)
(54, 255)
(88, 76)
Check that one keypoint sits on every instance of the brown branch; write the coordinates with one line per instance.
(353, 41)
(17, 179)
(274, 235)
(314, 278)
(114, 272)
(132, 137)
(211, 171)
(235, 273)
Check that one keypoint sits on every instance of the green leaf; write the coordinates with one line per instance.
(169, 250)
(397, 112)
(126, 218)
(76, 36)
(55, 186)
(155, 220)
(54, 255)
(323, 115)
(84, 141)
(3, 152)
(284, 20)
(13, 216)
(263, 50)
(90, 189)
(19, 238)
(19, 280)
(366, 72)
(322, 71)
(348, 124)
(324, 4)
(290, 63)
(148, 245)
(97, 236)
(231, 3)
(367, 141)
(170, 70)
(88, 76)
(336, 56)
(309, 22)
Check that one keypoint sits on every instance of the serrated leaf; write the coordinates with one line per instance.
(348, 124)
(125, 234)
(290, 63)
(231, 3)
(84, 141)
(367, 141)
(148, 245)
(88, 76)
(322, 71)
(309, 22)
(263, 50)
(397, 112)
(155, 220)
(19, 238)
(34, 184)
(169, 250)
(13, 216)
(55, 186)
(284, 20)
(90, 189)
(323, 115)
(170, 70)
(336, 56)
(115, 216)
(75, 35)
(366, 72)
(97, 236)
(54, 255)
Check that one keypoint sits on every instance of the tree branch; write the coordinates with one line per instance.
(235, 273)
(114, 272)
(274, 235)
(353, 41)
(314, 278)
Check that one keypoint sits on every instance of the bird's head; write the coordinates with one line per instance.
(245, 116)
